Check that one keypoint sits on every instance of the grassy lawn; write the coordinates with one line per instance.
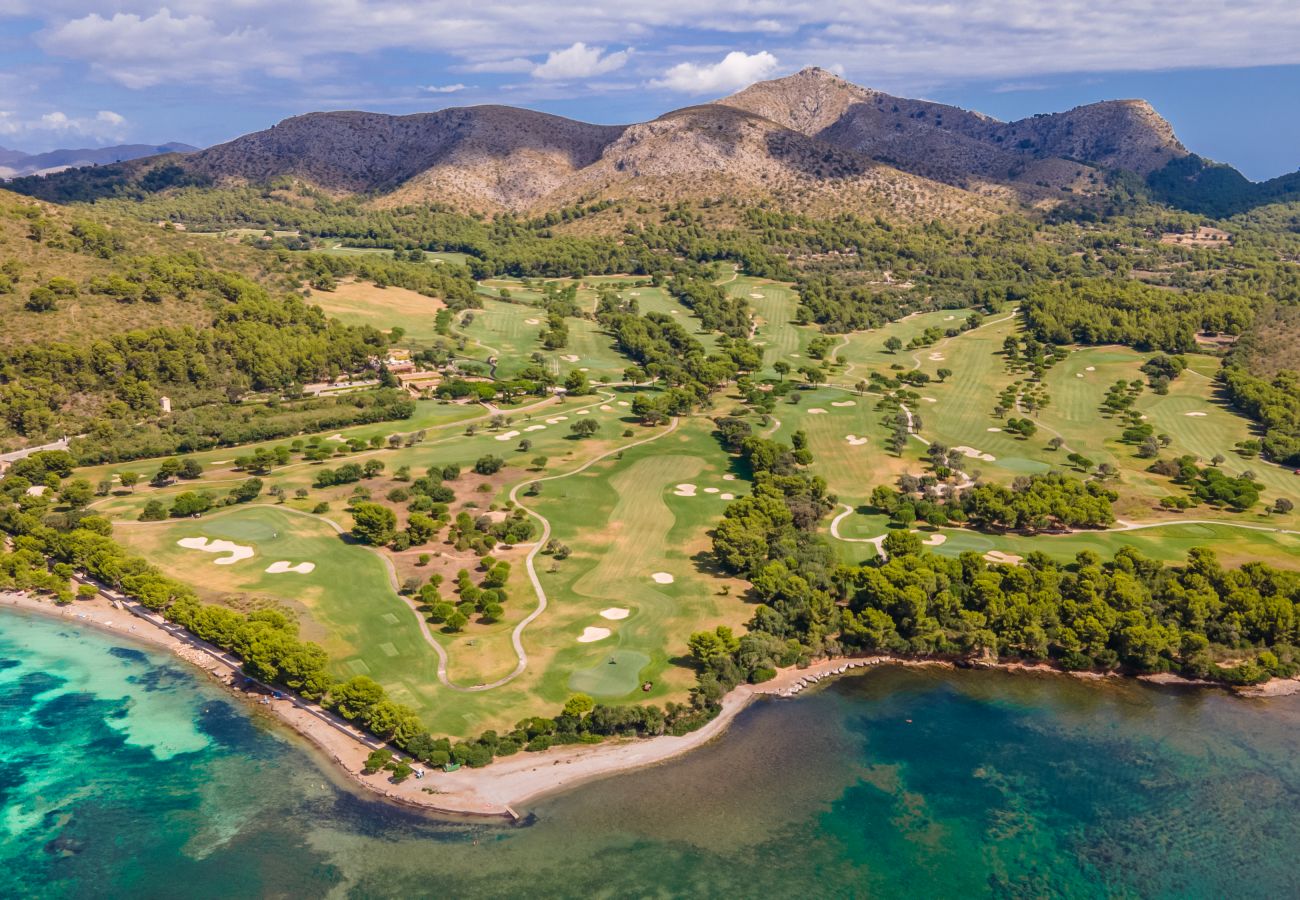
(511, 332)
(1168, 542)
(346, 603)
(362, 303)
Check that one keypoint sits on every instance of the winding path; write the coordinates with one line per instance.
(516, 636)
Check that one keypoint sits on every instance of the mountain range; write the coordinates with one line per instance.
(16, 163)
(811, 141)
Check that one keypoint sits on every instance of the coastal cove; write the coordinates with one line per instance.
(501, 789)
(893, 782)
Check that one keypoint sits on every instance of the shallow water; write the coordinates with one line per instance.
(121, 774)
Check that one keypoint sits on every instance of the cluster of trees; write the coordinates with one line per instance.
(1039, 503)
(1208, 485)
(664, 350)
(1114, 311)
(254, 343)
(1161, 370)
(1130, 612)
(716, 309)
(1272, 402)
(1033, 503)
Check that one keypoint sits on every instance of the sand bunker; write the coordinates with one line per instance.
(535, 428)
(36, 490)
(615, 613)
(662, 578)
(685, 490)
(569, 357)
(997, 556)
(935, 540)
(1090, 368)
(336, 437)
(929, 399)
(1078, 374)
(1194, 414)
(935, 357)
(995, 429)
(725, 496)
(623, 403)
(855, 440)
(844, 403)
(949, 318)
(756, 296)
(710, 490)
(532, 321)
(507, 435)
(794, 355)
(728, 477)
(606, 408)
(972, 453)
(591, 633)
(557, 420)
(584, 412)
(281, 566)
(816, 411)
(236, 551)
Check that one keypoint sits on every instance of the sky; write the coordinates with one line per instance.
(1227, 75)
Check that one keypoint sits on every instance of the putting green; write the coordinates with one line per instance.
(617, 675)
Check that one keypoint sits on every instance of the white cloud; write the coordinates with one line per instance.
(580, 61)
(736, 70)
(512, 66)
(103, 126)
(147, 43)
(444, 88)
(141, 52)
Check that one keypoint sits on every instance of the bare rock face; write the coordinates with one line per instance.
(808, 139)
(958, 146)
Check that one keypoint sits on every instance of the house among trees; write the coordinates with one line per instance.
(399, 361)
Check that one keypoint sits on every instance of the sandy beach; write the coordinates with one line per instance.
(503, 788)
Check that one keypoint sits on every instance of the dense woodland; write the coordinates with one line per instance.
(1127, 613)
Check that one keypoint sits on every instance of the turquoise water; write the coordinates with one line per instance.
(122, 775)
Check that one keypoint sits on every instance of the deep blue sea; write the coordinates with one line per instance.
(124, 775)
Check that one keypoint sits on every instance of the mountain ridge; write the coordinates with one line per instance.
(812, 141)
(17, 163)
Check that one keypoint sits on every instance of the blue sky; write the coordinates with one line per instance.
(203, 71)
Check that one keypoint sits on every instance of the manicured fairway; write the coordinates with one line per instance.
(511, 332)
(774, 306)
(1168, 542)
(625, 523)
(346, 603)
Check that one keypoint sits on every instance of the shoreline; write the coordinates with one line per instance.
(509, 782)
